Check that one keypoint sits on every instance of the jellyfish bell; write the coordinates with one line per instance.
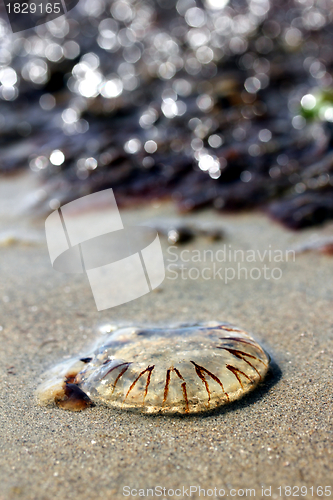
(181, 369)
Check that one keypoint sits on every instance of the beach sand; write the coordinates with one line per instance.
(279, 436)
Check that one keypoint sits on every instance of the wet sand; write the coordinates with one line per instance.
(280, 435)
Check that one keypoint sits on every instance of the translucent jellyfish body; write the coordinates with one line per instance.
(183, 369)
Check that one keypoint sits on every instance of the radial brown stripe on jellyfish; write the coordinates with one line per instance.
(243, 355)
(247, 341)
(176, 369)
(201, 375)
(200, 370)
(183, 386)
(237, 374)
(123, 370)
(149, 369)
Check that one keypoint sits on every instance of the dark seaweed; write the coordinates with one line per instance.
(288, 172)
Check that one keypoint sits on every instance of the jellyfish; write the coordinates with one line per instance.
(189, 368)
